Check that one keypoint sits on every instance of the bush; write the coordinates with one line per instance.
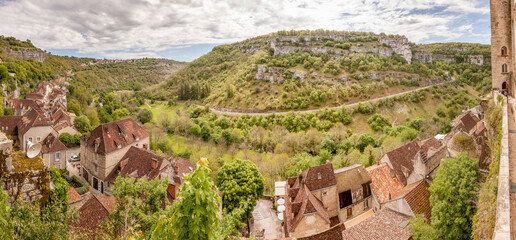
(185, 154)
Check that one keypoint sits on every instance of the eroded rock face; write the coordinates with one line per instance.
(400, 46)
(475, 59)
(28, 54)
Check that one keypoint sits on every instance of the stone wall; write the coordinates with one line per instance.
(502, 229)
(310, 224)
(501, 28)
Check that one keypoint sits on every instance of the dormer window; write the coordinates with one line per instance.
(137, 139)
(119, 146)
(504, 51)
(107, 132)
(319, 175)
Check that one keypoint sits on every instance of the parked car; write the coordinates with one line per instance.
(75, 158)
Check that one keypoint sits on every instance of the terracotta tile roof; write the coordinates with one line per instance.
(383, 225)
(94, 211)
(52, 144)
(384, 183)
(402, 159)
(8, 124)
(430, 143)
(109, 135)
(32, 119)
(73, 196)
(304, 203)
(23, 104)
(334, 233)
(418, 198)
(467, 121)
(318, 177)
(138, 163)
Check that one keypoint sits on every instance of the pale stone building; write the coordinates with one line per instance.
(503, 42)
(320, 198)
(103, 148)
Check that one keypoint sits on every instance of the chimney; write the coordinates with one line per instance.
(154, 163)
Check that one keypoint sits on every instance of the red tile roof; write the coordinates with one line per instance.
(418, 198)
(138, 163)
(384, 182)
(23, 103)
(52, 144)
(304, 202)
(108, 135)
(383, 225)
(317, 177)
(73, 196)
(94, 211)
(334, 233)
(9, 124)
(402, 159)
(467, 121)
(32, 119)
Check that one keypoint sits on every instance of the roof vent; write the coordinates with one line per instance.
(319, 175)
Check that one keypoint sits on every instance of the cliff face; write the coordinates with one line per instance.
(27, 54)
(400, 46)
(427, 57)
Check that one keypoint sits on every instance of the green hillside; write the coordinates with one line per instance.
(86, 75)
(292, 70)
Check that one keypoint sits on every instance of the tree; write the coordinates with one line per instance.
(452, 197)
(242, 184)
(421, 230)
(8, 112)
(104, 116)
(145, 116)
(82, 124)
(4, 74)
(138, 206)
(74, 107)
(195, 213)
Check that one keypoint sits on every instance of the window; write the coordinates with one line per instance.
(319, 175)
(345, 199)
(30, 139)
(96, 167)
(38, 139)
(58, 156)
(366, 189)
(350, 212)
(137, 139)
(504, 68)
(504, 51)
(118, 146)
(325, 193)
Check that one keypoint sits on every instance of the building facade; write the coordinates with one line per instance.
(503, 44)
(104, 147)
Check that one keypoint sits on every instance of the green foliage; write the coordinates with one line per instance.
(8, 112)
(68, 139)
(4, 74)
(195, 213)
(138, 205)
(82, 124)
(242, 185)
(378, 122)
(452, 197)
(74, 107)
(164, 145)
(144, 116)
(421, 230)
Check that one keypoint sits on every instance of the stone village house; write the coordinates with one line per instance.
(104, 147)
(319, 198)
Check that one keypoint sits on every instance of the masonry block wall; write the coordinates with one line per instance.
(502, 37)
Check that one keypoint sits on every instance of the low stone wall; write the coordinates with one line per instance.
(503, 212)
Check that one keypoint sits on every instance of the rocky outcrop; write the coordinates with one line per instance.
(28, 54)
(427, 57)
(400, 46)
(475, 59)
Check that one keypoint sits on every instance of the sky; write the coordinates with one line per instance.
(184, 30)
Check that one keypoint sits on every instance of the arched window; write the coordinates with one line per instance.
(504, 51)
(504, 68)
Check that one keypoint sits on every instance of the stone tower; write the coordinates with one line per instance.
(502, 44)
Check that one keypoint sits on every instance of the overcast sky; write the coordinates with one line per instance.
(186, 29)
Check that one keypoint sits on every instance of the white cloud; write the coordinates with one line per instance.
(148, 26)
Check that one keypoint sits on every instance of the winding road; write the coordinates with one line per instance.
(236, 112)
